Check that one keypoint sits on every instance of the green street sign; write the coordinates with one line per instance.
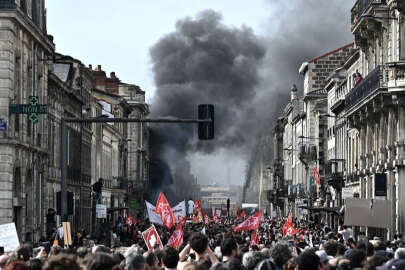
(32, 109)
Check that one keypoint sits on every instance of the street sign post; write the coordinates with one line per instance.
(33, 109)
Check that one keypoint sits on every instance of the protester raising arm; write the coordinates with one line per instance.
(183, 254)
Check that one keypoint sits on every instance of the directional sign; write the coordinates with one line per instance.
(3, 125)
(32, 109)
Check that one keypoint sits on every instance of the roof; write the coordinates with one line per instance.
(62, 71)
(331, 52)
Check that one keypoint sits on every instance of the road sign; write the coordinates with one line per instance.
(32, 109)
(3, 125)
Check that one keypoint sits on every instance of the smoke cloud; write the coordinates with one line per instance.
(247, 77)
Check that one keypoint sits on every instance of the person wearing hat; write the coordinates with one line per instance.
(324, 258)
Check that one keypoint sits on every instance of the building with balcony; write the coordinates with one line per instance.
(374, 112)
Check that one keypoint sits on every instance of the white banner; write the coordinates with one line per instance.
(101, 211)
(153, 217)
(8, 237)
(179, 211)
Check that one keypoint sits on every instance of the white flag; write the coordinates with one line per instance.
(152, 215)
(179, 211)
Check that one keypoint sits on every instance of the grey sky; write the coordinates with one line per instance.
(118, 34)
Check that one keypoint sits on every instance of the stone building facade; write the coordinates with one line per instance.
(30, 152)
(25, 49)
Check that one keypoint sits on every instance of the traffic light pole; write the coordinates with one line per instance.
(63, 159)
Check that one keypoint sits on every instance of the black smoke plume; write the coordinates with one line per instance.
(248, 79)
(203, 61)
(300, 31)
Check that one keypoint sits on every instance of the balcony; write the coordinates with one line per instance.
(334, 172)
(361, 7)
(373, 83)
(120, 183)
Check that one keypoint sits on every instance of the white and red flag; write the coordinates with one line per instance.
(165, 212)
(151, 238)
(288, 228)
(251, 223)
(177, 237)
(131, 220)
(216, 218)
(254, 239)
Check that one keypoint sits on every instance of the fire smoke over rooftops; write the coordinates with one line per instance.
(245, 76)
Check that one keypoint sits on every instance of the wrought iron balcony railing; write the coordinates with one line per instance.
(375, 81)
(360, 7)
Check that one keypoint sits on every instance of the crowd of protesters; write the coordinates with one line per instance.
(315, 246)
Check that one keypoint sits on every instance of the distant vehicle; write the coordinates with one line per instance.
(250, 208)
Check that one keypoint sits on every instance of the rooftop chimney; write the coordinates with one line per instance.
(90, 67)
(112, 75)
(98, 68)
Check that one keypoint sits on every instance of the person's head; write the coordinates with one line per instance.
(266, 264)
(308, 260)
(291, 264)
(367, 247)
(253, 260)
(24, 252)
(331, 248)
(234, 264)
(151, 259)
(62, 262)
(199, 243)
(357, 257)
(400, 253)
(100, 248)
(34, 264)
(229, 247)
(101, 261)
(170, 257)
(135, 261)
(323, 257)
(280, 254)
(3, 261)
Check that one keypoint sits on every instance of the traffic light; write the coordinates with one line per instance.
(206, 130)
(69, 203)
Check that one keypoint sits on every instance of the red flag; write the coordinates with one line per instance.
(254, 239)
(243, 214)
(151, 238)
(316, 176)
(182, 221)
(131, 220)
(206, 219)
(251, 223)
(216, 218)
(165, 212)
(177, 237)
(288, 228)
(197, 205)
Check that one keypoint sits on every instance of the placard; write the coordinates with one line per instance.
(8, 237)
(101, 211)
(151, 238)
(67, 234)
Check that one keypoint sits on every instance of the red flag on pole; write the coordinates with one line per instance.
(216, 218)
(165, 212)
(316, 176)
(206, 219)
(251, 223)
(254, 239)
(177, 237)
(131, 220)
